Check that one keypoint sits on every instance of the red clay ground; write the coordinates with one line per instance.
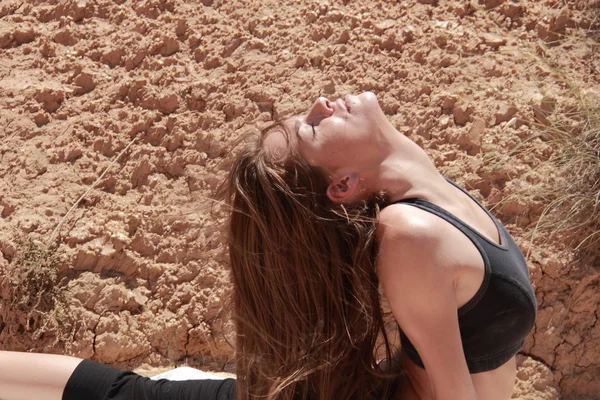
(166, 87)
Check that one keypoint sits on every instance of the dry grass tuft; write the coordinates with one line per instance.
(37, 297)
(573, 209)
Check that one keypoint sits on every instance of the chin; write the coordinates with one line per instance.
(369, 97)
(369, 103)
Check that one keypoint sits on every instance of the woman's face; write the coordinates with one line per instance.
(332, 135)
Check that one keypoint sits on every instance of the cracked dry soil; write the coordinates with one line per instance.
(157, 91)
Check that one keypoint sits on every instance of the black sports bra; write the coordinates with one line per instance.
(494, 323)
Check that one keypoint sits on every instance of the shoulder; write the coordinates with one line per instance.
(415, 268)
(407, 223)
(410, 241)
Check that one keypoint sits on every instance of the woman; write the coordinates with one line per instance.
(324, 202)
(325, 208)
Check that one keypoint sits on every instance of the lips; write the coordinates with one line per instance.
(347, 103)
(343, 104)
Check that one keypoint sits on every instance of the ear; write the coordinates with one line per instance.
(342, 189)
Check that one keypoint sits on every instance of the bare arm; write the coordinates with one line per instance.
(414, 269)
(26, 376)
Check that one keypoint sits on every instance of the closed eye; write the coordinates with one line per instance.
(298, 126)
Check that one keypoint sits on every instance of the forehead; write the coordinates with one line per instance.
(275, 145)
(278, 140)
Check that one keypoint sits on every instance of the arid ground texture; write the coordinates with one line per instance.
(118, 121)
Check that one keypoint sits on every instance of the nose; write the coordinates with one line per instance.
(321, 109)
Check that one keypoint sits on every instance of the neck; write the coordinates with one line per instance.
(404, 170)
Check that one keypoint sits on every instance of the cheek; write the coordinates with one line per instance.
(351, 131)
(338, 155)
(321, 155)
(337, 129)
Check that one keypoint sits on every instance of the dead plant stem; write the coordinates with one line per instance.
(113, 162)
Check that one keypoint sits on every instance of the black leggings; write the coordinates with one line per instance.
(93, 381)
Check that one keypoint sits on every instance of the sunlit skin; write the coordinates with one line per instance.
(363, 153)
(333, 132)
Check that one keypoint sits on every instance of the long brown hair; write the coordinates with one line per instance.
(306, 297)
